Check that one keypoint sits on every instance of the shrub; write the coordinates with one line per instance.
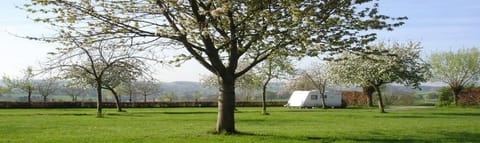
(408, 99)
(445, 97)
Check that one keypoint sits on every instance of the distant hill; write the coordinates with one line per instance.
(398, 89)
(405, 89)
(186, 88)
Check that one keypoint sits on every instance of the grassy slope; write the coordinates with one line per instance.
(283, 125)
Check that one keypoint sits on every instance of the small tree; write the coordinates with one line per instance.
(197, 95)
(74, 90)
(313, 78)
(170, 96)
(396, 63)
(101, 64)
(456, 69)
(147, 88)
(318, 76)
(125, 71)
(25, 84)
(299, 82)
(277, 67)
(128, 88)
(46, 87)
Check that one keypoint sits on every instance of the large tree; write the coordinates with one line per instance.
(388, 63)
(220, 34)
(25, 84)
(458, 69)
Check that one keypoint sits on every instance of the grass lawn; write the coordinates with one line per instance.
(283, 125)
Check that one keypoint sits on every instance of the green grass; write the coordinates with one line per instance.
(283, 125)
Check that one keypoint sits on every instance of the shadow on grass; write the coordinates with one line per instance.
(457, 114)
(429, 115)
(305, 110)
(408, 116)
(57, 114)
(327, 139)
(72, 114)
(461, 137)
(189, 112)
(447, 137)
(129, 114)
(146, 114)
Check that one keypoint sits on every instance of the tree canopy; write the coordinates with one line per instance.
(4, 90)
(458, 69)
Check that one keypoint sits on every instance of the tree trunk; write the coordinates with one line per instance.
(226, 106)
(44, 99)
(322, 91)
(130, 99)
(144, 98)
(29, 97)
(368, 91)
(117, 100)
(379, 100)
(99, 99)
(264, 97)
(456, 92)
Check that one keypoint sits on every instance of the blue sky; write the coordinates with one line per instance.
(440, 25)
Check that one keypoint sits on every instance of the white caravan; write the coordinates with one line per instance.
(313, 99)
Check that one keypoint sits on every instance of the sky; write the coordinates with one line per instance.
(440, 26)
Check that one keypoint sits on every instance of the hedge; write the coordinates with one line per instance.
(354, 98)
(132, 104)
(469, 97)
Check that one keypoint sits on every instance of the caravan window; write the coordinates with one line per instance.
(314, 97)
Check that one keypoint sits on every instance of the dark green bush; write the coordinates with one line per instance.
(445, 96)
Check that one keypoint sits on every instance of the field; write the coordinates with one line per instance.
(283, 125)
